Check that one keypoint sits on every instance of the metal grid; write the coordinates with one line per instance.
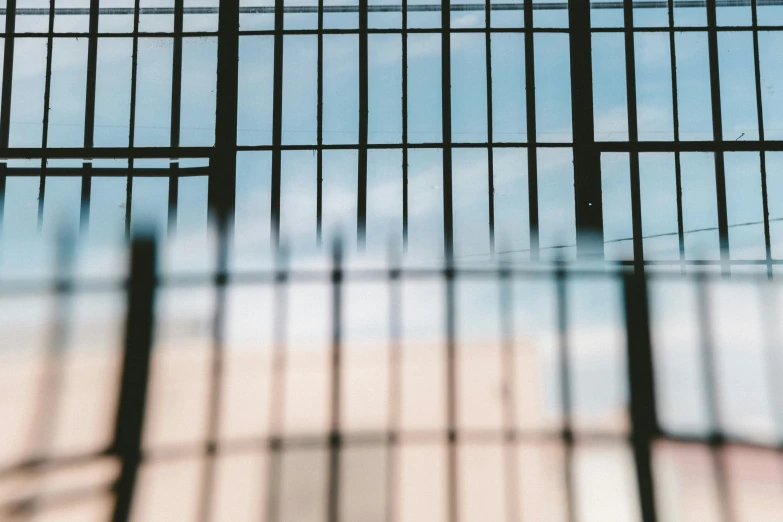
(132, 405)
(587, 151)
(127, 446)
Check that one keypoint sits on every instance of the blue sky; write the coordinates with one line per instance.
(468, 91)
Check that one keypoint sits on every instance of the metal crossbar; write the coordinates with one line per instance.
(387, 8)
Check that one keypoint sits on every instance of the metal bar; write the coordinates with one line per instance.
(510, 6)
(604, 146)
(176, 104)
(490, 137)
(390, 30)
(89, 115)
(509, 390)
(404, 37)
(319, 167)
(215, 386)
(762, 154)
(222, 194)
(107, 172)
(633, 136)
(361, 205)
(47, 97)
(335, 388)
(445, 79)
(277, 387)
(132, 129)
(523, 271)
(452, 485)
(395, 386)
(717, 145)
(222, 179)
(715, 439)
(277, 122)
(532, 154)
(132, 402)
(206, 152)
(641, 381)
(717, 130)
(564, 368)
(676, 125)
(587, 158)
(57, 500)
(107, 153)
(5, 106)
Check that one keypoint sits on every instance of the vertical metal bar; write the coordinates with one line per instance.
(277, 119)
(135, 373)
(89, 115)
(222, 177)
(222, 198)
(490, 137)
(335, 388)
(448, 220)
(277, 387)
(132, 129)
(395, 384)
(641, 381)
(714, 421)
(404, 37)
(532, 150)
(361, 204)
(587, 158)
(215, 386)
(564, 367)
(633, 135)
(47, 97)
(452, 486)
(176, 104)
(676, 120)
(5, 106)
(319, 190)
(509, 387)
(763, 152)
(717, 131)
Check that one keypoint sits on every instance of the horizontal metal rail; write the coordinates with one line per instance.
(270, 9)
(541, 270)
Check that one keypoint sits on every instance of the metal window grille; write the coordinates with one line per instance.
(221, 170)
(219, 162)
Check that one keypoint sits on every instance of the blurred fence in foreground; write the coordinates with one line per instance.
(484, 446)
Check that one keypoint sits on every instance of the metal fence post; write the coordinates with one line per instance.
(587, 157)
(644, 422)
(222, 178)
(335, 386)
(135, 373)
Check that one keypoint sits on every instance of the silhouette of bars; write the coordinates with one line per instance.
(142, 285)
(222, 157)
(645, 430)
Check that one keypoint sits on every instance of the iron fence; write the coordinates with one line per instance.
(643, 435)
